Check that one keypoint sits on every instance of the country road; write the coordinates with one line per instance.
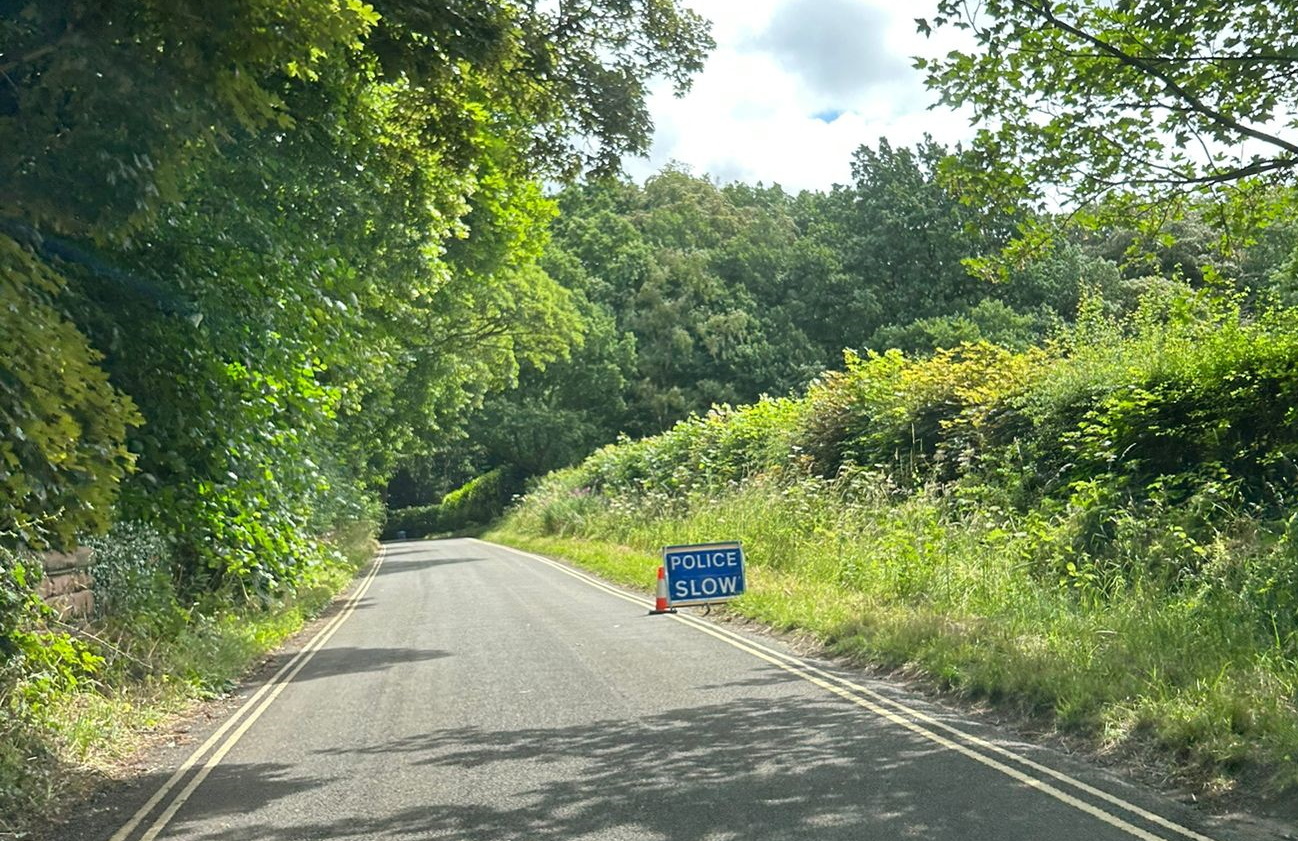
(468, 691)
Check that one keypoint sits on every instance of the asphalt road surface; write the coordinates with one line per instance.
(468, 691)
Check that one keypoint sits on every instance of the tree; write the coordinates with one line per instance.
(62, 454)
(568, 83)
(1138, 100)
(888, 249)
(105, 105)
(561, 413)
(300, 238)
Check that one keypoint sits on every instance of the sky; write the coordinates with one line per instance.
(794, 87)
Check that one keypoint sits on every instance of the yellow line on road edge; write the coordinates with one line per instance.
(273, 686)
(977, 741)
(909, 718)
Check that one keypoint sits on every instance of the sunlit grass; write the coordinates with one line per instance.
(901, 584)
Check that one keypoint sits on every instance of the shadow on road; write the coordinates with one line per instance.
(394, 565)
(759, 767)
(232, 789)
(397, 550)
(332, 662)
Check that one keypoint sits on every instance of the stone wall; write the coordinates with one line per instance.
(68, 586)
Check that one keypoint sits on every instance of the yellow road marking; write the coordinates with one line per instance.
(908, 718)
(984, 744)
(269, 691)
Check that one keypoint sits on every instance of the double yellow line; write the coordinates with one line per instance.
(1056, 784)
(210, 753)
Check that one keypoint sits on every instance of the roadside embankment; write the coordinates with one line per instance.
(1096, 532)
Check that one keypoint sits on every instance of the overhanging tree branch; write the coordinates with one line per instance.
(1146, 67)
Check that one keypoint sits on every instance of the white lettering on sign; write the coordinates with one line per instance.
(706, 560)
(705, 588)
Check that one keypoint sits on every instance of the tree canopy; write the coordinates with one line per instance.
(1131, 100)
(279, 246)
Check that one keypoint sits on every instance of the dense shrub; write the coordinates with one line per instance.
(725, 445)
(134, 584)
(912, 417)
(1191, 395)
(989, 320)
(413, 522)
(480, 500)
(477, 502)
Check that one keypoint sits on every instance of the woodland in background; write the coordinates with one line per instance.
(696, 294)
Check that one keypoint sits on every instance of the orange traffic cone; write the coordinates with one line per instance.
(661, 605)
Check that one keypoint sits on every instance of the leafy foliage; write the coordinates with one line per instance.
(136, 93)
(475, 503)
(480, 500)
(37, 667)
(413, 522)
(62, 456)
(16, 598)
(1141, 104)
(724, 446)
(913, 417)
(134, 585)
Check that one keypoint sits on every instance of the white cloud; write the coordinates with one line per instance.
(763, 109)
(839, 48)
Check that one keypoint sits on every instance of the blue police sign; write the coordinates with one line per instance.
(707, 572)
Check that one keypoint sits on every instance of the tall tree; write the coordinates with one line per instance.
(890, 248)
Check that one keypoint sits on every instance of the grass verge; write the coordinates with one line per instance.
(1179, 675)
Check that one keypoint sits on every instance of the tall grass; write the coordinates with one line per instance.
(898, 583)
